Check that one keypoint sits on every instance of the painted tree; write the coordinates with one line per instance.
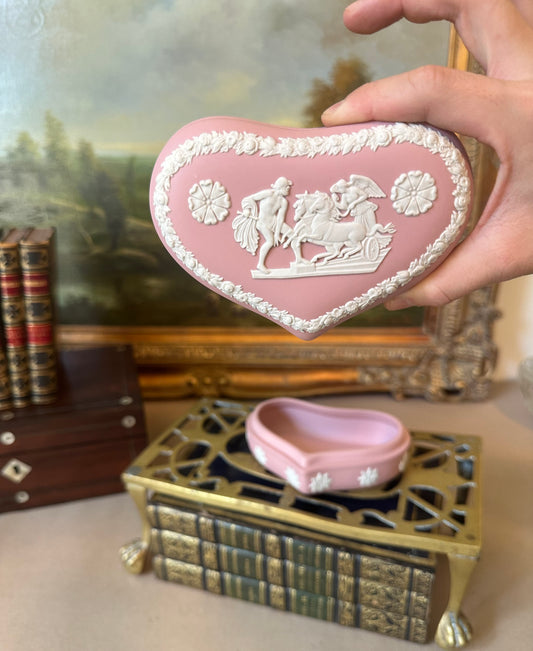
(87, 169)
(345, 76)
(100, 192)
(26, 149)
(24, 158)
(56, 151)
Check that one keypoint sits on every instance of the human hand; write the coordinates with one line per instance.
(496, 109)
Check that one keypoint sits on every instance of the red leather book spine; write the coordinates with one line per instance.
(13, 317)
(36, 257)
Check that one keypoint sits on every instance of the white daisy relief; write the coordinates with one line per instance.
(292, 478)
(320, 482)
(209, 202)
(368, 477)
(413, 193)
(260, 455)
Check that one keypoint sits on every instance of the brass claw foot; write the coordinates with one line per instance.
(454, 631)
(133, 556)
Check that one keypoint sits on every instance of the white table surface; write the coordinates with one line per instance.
(62, 586)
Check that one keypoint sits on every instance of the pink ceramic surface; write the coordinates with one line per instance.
(319, 449)
(309, 227)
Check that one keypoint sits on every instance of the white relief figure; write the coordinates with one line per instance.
(352, 198)
(263, 213)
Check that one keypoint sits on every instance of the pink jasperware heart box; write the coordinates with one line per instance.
(309, 227)
(318, 449)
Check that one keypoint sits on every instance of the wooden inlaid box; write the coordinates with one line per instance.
(78, 446)
(214, 519)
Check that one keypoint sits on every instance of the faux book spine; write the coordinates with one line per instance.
(301, 551)
(14, 316)
(292, 600)
(281, 572)
(37, 259)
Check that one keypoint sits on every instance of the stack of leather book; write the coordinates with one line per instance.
(351, 586)
(28, 356)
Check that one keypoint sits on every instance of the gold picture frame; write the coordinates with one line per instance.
(450, 356)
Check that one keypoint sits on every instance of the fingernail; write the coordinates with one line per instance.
(329, 112)
(399, 303)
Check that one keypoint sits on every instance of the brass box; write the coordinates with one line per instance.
(215, 519)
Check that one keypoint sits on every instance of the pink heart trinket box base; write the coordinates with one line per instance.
(319, 449)
(309, 227)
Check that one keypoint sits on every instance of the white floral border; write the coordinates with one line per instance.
(249, 144)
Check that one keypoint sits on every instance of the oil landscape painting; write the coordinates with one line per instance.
(91, 91)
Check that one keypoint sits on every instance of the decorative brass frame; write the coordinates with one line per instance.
(451, 356)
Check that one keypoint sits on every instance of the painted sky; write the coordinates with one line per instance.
(126, 74)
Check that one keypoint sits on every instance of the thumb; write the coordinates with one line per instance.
(428, 94)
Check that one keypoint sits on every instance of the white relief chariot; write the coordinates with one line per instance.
(343, 223)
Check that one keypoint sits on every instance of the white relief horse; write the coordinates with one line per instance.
(319, 221)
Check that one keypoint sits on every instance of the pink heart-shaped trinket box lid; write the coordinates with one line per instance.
(317, 448)
(309, 227)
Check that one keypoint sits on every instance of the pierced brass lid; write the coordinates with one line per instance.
(435, 505)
